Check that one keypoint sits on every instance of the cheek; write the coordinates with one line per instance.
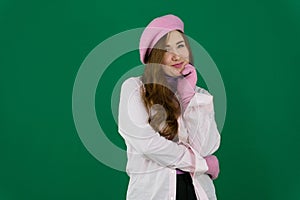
(166, 59)
(184, 52)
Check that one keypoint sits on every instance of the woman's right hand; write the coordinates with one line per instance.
(213, 166)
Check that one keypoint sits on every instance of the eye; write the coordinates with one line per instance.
(180, 46)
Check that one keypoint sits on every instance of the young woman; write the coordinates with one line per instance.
(168, 122)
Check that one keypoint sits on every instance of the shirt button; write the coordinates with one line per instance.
(172, 198)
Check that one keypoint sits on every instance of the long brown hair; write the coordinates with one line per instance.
(162, 105)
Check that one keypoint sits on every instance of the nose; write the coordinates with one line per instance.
(175, 56)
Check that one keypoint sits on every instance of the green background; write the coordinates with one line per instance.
(255, 45)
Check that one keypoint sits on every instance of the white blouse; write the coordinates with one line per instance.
(152, 159)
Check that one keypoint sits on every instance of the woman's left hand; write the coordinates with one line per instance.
(186, 84)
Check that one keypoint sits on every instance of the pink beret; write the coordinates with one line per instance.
(155, 30)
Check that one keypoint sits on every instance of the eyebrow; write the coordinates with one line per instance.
(176, 43)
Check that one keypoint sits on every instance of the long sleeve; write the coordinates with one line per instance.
(200, 122)
(136, 131)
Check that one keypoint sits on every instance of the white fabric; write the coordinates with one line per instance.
(152, 159)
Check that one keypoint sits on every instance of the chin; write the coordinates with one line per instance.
(176, 75)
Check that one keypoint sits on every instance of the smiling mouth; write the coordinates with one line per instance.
(179, 65)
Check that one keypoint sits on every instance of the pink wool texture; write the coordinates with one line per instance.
(213, 166)
(155, 30)
(186, 85)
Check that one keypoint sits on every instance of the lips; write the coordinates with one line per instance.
(179, 65)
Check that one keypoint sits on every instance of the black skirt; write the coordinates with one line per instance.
(185, 188)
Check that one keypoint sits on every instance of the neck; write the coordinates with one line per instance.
(172, 81)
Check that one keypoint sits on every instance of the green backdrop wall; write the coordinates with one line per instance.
(255, 45)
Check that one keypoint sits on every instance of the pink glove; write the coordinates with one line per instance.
(213, 166)
(186, 85)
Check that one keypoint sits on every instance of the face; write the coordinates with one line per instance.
(177, 54)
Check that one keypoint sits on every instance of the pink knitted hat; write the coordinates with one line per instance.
(155, 30)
